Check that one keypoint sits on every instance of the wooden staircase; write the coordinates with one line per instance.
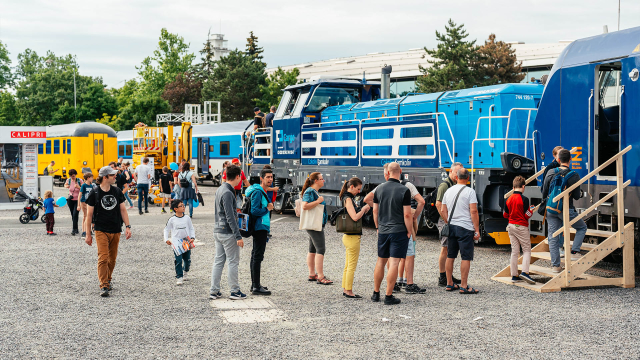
(573, 275)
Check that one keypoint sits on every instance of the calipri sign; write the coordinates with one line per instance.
(28, 134)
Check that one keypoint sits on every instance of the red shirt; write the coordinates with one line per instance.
(239, 187)
(517, 209)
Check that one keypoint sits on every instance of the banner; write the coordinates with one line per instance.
(30, 169)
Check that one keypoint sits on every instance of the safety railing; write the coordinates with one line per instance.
(262, 150)
(567, 222)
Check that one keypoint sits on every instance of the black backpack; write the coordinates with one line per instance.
(246, 209)
(184, 182)
(430, 205)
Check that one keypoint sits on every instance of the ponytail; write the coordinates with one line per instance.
(354, 181)
(311, 179)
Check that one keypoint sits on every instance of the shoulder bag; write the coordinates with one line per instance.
(445, 229)
(344, 223)
(312, 219)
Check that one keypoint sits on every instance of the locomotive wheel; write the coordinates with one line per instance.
(43, 219)
(24, 218)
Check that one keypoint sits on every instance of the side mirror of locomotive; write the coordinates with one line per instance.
(515, 163)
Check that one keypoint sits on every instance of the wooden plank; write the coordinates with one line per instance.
(591, 174)
(595, 281)
(593, 207)
(594, 256)
(539, 287)
(541, 270)
(628, 266)
(533, 177)
(620, 202)
(567, 239)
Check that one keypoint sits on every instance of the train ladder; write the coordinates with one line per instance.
(573, 275)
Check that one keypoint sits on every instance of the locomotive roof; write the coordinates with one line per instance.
(82, 129)
(335, 81)
(610, 46)
(233, 127)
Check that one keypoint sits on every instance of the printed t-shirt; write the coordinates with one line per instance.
(107, 206)
(85, 189)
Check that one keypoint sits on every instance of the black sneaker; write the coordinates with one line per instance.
(84, 234)
(391, 300)
(146, 211)
(215, 296)
(73, 233)
(396, 287)
(104, 292)
(260, 291)
(455, 281)
(414, 289)
(140, 211)
(375, 297)
(110, 286)
(442, 281)
(163, 211)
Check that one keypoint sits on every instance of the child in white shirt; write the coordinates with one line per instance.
(182, 236)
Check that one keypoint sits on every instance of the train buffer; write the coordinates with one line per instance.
(573, 275)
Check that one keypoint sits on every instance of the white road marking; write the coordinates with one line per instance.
(282, 218)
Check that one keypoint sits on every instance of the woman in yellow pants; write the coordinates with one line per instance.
(351, 241)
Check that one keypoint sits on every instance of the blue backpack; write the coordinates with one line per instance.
(556, 187)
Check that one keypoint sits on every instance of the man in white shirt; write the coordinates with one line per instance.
(460, 211)
(143, 179)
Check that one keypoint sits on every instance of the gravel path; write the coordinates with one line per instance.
(51, 308)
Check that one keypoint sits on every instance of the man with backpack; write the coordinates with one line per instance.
(226, 234)
(442, 189)
(259, 224)
(105, 208)
(557, 181)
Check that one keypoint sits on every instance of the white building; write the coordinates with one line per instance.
(537, 60)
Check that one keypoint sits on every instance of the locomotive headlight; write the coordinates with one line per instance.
(64, 168)
(84, 163)
(516, 163)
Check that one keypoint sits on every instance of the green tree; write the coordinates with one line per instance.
(235, 82)
(171, 58)
(95, 100)
(8, 111)
(29, 63)
(496, 63)
(253, 50)
(185, 89)
(6, 77)
(450, 66)
(113, 122)
(207, 64)
(271, 93)
(125, 95)
(142, 109)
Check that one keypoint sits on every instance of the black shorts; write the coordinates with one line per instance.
(393, 245)
(460, 239)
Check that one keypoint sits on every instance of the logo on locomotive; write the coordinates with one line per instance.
(401, 162)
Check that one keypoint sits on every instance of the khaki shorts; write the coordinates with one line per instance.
(443, 239)
(163, 195)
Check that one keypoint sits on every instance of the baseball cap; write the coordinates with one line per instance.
(106, 170)
(235, 161)
(256, 109)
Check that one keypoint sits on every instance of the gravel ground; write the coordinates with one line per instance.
(51, 307)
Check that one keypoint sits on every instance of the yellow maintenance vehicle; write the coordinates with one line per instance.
(162, 145)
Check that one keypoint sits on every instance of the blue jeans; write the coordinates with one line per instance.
(179, 259)
(189, 203)
(126, 196)
(555, 223)
(143, 194)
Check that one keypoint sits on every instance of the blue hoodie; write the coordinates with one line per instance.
(259, 209)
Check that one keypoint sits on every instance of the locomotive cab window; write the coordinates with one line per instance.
(56, 146)
(607, 115)
(324, 97)
(68, 146)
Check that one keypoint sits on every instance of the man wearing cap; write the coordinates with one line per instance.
(259, 122)
(107, 203)
(237, 188)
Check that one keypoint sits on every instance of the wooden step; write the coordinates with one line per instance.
(584, 246)
(540, 270)
(536, 287)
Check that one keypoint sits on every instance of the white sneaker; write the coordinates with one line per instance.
(184, 276)
(576, 256)
(179, 281)
(557, 269)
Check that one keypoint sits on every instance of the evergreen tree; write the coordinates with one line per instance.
(496, 63)
(235, 82)
(205, 68)
(450, 64)
(253, 50)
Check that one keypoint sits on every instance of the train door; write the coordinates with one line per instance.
(465, 132)
(203, 155)
(606, 110)
(483, 150)
(98, 150)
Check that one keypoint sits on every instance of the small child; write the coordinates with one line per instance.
(518, 211)
(85, 189)
(180, 227)
(49, 204)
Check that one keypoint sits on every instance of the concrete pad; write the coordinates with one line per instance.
(248, 303)
(250, 316)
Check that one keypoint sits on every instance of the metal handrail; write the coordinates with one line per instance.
(266, 146)
(506, 134)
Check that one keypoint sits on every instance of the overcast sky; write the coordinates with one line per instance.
(111, 37)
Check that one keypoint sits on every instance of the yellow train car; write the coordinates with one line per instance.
(86, 146)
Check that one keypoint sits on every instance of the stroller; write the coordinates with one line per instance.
(32, 210)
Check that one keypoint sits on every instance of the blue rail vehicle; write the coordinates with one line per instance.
(125, 144)
(599, 115)
(424, 133)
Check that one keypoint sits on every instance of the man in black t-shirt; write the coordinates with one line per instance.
(166, 184)
(108, 203)
(394, 221)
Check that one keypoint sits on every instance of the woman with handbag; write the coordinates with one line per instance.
(73, 184)
(312, 206)
(352, 216)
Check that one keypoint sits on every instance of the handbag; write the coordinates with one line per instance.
(312, 219)
(445, 229)
(345, 224)
(200, 199)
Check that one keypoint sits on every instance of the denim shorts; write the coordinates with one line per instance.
(393, 245)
